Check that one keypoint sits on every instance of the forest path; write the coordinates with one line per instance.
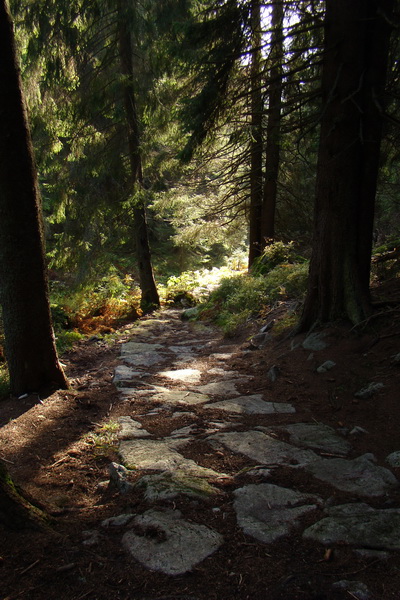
(214, 459)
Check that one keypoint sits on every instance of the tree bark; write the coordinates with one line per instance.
(29, 339)
(16, 512)
(353, 80)
(256, 143)
(149, 294)
(273, 132)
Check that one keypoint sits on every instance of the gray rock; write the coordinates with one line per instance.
(222, 356)
(186, 375)
(268, 512)
(180, 397)
(273, 373)
(183, 432)
(161, 455)
(326, 366)
(123, 374)
(252, 405)
(393, 459)
(119, 521)
(318, 437)
(260, 339)
(219, 388)
(357, 430)
(131, 429)
(118, 475)
(268, 326)
(358, 476)
(166, 486)
(139, 348)
(356, 589)
(181, 349)
(358, 525)
(315, 342)
(369, 391)
(163, 541)
(263, 448)
(147, 359)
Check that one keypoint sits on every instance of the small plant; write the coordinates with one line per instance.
(66, 339)
(275, 254)
(4, 381)
(104, 439)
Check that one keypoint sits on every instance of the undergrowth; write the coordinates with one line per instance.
(243, 297)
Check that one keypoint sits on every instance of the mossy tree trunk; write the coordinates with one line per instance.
(353, 80)
(29, 339)
(16, 512)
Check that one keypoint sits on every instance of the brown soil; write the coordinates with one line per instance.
(50, 449)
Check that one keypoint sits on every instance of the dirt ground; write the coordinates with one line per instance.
(58, 452)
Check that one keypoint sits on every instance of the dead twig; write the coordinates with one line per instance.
(30, 567)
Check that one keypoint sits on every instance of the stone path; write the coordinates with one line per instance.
(170, 365)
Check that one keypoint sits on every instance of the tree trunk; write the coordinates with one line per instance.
(273, 133)
(353, 79)
(256, 150)
(29, 339)
(149, 294)
(16, 512)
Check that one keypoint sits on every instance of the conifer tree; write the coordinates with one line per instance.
(29, 340)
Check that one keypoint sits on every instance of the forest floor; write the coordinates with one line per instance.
(59, 450)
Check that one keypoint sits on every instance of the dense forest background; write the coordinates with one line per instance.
(180, 140)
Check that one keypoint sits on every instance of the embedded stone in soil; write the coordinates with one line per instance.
(358, 525)
(163, 541)
(268, 512)
(252, 405)
(180, 397)
(317, 436)
(358, 476)
(263, 448)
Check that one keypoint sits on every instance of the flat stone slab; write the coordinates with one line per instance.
(185, 375)
(180, 397)
(131, 429)
(163, 541)
(181, 349)
(268, 512)
(263, 448)
(358, 525)
(123, 374)
(318, 437)
(139, 348)
(166, 486)
(161, 455)
(359, 476)
(315, 342)
(251, 405)
(219, 388)
(147, 359)
(222, 355)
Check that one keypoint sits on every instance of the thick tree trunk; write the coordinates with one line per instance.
(149, 294)
(29, 339)
(273, 127)
(16, 512)
(354, 73)
(256, 149)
